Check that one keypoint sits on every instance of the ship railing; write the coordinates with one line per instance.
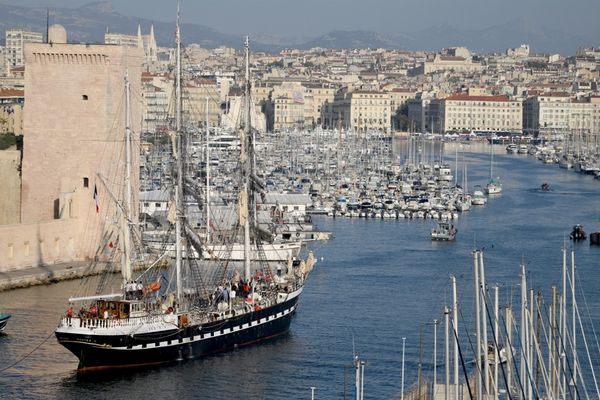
(94, 323)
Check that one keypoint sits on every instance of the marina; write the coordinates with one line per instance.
(327, 211)
(393, 281)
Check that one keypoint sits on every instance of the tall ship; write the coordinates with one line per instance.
(194, 306)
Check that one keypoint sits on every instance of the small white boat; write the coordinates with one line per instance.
(443, 231)
(478, 198)
(493, 187)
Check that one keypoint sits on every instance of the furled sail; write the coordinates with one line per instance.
(243, 207)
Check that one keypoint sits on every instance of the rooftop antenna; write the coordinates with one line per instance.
(47, 25)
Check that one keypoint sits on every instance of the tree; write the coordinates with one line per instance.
(7, 140)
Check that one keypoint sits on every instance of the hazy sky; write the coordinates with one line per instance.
(309, 18)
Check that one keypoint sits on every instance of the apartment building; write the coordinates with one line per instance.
(399, 98)
(556, 112)
(450, 63)
(360, 110)
(462, 112)
(147, 42)
(291, 106)
(11, 111)
(15, 41)
(197, 95)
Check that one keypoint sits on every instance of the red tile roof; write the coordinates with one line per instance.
(12, 93)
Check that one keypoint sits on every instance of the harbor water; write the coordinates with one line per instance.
(376, 282)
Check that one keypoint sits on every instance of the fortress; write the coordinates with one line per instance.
(73, 144)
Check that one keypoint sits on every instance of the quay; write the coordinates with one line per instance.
(47, 274)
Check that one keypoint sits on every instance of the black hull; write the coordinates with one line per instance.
(97, 352)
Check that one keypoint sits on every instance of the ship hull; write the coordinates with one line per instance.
(3, 321)
(96, 351)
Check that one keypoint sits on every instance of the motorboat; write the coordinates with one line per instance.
(443, 231)
(578, 233)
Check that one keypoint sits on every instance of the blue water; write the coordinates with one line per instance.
(379, 281)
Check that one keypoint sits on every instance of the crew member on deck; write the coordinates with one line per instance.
(69, 313)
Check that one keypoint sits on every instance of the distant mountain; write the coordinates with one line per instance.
(500, 37)
(89, 23)
(352, 40)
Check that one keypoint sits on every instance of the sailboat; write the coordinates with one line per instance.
(195, 311)
(494, 186)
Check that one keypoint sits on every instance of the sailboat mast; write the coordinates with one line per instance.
(455, 328)
(178, 155)
(126, 267)
(246, 162)
(492, 160)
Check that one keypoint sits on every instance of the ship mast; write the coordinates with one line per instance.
(246, 162)
(178, 156)
(125, 208)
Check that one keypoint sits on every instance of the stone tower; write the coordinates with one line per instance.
(74, 128)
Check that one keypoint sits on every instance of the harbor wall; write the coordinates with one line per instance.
(73, 236)
(37, 244)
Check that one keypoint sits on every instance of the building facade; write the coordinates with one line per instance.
(11, 111)
(553, 113)
(360, 111)
(146, 42)
(461, 112)
(15, 43)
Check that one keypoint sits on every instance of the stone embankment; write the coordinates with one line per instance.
(47, 274)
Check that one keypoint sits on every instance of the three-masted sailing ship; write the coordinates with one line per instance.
(201, 306)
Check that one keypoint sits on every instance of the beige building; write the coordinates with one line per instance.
(360, 111)
(553, 113)
(195, 95)
(451, 63)
(319, 94)
(11, 111)
(461, 112)
(146, 42)
(156, 108)
(299, 104)
(261, 97)
(521, 51)
(15, 43)
(291, 106)
(399, 98)
(73, 143)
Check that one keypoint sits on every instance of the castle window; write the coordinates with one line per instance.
(84, 97)
(86, 182)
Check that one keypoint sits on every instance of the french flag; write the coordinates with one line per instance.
(96, 199)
